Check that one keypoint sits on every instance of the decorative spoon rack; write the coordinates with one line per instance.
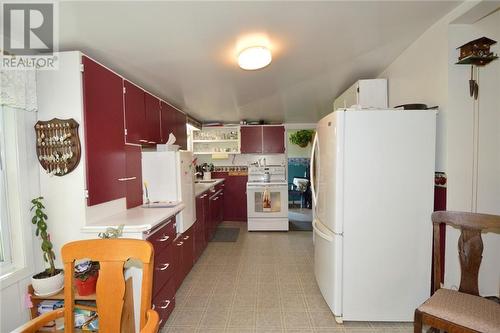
(58, 145)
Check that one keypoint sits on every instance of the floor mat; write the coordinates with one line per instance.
(300, 226)
(226, 235)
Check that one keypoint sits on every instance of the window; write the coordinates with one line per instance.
(18, 184)
(5, 258)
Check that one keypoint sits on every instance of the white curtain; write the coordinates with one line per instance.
(18, 89)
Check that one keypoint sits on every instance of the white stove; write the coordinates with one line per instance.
(267, 198)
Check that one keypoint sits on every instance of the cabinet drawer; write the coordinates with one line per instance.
(164, 268)
(164, 302)
(162, 237)
(219, 186)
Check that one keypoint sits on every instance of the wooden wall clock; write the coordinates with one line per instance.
(58, 145)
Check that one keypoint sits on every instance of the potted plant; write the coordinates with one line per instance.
(86, 274)
(302, 138)
(51, 280)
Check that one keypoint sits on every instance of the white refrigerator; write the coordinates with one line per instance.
(373, 188)
(170, 177)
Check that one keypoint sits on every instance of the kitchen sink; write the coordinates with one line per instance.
(205, 181)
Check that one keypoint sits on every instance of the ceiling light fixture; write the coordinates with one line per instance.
(254, 57)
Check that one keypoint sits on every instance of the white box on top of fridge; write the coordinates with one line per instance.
(373, 188)
(169, 177)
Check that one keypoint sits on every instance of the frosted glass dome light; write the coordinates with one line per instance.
(254, 57)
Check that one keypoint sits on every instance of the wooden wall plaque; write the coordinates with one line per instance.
(58, 145)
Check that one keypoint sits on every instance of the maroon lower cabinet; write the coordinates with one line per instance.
(200, 241)
(163, 268)
(188, 251)
(235, 197)
(273, 139)
(220, 207)
(213, 215)
(178, 261)
(164, 301)
(104, 133)
(163, 235)
(206, 217)
(133, 175)
(164, 282)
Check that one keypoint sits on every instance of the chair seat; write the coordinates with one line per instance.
(469, 311)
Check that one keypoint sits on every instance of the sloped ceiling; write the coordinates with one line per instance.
(185, 52)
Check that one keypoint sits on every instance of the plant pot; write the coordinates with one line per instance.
(87, 287)
(303, 145)
(48, 286)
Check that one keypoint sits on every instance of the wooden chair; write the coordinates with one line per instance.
(463, 310)
(112, 255)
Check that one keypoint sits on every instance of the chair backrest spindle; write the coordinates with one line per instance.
(470, 245)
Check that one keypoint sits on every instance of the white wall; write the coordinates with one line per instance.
(426, 72)
(420, 75)
(474, 135)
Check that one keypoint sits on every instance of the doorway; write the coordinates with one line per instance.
(299, 185)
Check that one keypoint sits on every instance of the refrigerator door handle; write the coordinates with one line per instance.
(321, 233)
(311, 172)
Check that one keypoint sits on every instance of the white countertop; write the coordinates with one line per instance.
(199, 188)
(136, 219)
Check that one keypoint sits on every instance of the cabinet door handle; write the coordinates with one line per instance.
(142, 140)
(164, 267)
(180, 243)
(159, 323)
(126, 179)
(216, 198)
(153, 307)
(186, 238)
(152, 142)
(163, 239)
(167, 303)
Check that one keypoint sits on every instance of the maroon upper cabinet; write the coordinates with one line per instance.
(104, 133)
(152, 105)
(135, 114)
(167, 121)
(273, 139)
(180, 130)
(133, 177)
(251, 139)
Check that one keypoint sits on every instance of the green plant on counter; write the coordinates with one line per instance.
(40, 220)
(302, 138)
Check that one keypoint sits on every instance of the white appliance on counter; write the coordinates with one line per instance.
(267, 198)
(370, 93)
(373, 187)
(169, 177)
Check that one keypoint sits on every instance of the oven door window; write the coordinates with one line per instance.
(267, 201)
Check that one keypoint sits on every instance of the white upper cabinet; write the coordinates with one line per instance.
(366, 93)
